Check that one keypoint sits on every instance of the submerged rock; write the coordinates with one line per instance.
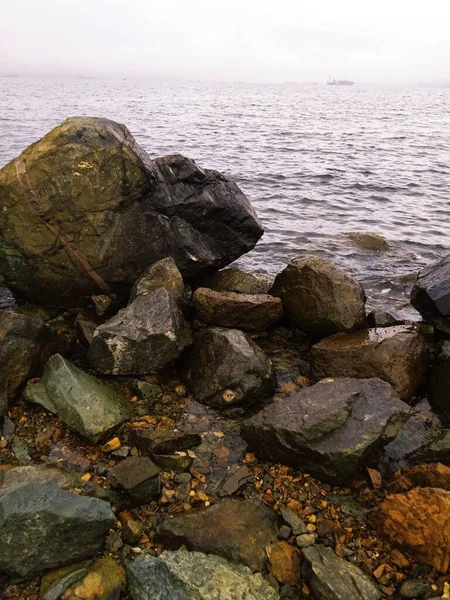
(194, 576)
(83, 402)
(225, 529)
(368, 241)
(418, 522)
(225, 367)
(431, 294)
(161, 441)
(236, 280)
(250, 312)
(320, 298)
(398, 355)
(85, 211)
(332, 578)
(44, 527)
(330, 429)
(22, 343)
(142, 338)
(161, 274)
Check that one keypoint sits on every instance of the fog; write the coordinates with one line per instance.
(245, 40)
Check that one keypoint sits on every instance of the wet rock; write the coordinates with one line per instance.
(329, 429)
(225, 367)
(225, 529)
(381, 318)
(422, 439)
(139, 477)
(22, 342)
(173, 462)
(332, 578)
(44, 527)
(368, 241)
(236, 280)
(434, 475)
(161, 441)
(414, 588)
(85, 211)
(83, 402)
(85, 329)
(142, 338)
(418, 522)
(398, 355)
(194, 576)
(132, 532)
(431, 294)
(249, 312)
(284, 563)
(439, 388)
(162, 274)
(235, 481)
(320, 298)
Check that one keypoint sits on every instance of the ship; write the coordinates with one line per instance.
(340, 82)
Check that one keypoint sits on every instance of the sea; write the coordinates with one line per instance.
(316, 161)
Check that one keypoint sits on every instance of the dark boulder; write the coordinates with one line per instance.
(85, 211)
(162, 274)
(225, 367)
(139, 477)
(319, 297)
(142, 338)
(330, 429)
(431, 294)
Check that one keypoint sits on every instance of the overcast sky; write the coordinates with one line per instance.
(247, 40)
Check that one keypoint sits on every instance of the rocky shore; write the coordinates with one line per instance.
(175, 429)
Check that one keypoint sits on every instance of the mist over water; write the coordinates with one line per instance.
(315, 161)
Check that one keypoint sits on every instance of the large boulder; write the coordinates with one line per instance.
(225, 529)
(329, 429)
(225, 367)
(194, 576)
(44, 527)
(85, 211)
(250, 312)
(89, 406)
(418, 521)
(162, 274)
(431, 294)
(22, 343)
(398, 355)
(142, 338)
(332, 578)
(319, 297)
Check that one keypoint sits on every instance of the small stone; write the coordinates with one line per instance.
(113, 542)
(292, 518)
(285, 532)
(305, 540)
(414, 588)
(151, 441)
(132, 532)
(139, 477)
(400, 559)
(284, 563)
(183, 478)
(112, 445)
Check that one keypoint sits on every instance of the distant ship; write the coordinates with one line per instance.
(340, 82)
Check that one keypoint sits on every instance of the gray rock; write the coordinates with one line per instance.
(162, 274)
(85, 211)
(306, 539)
(236, 280)
(292, 519)
(398, 355)
(381, 318)
(161, 441)
(194, 576)
(225, 529)
(150, 392)
(142, 338)
(320, 298)
(225, 367)
(22, 343)
(332, 578)
(43, 527)
(250, 312)
(139, 477)
(430, 294)
(330, 429)
(414, 588)
(83, 402)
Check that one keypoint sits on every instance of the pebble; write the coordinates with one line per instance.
(305, 540)
(183, 478)
(414, 588)
(285, 532)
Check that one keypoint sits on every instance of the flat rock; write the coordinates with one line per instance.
(236, 280)
(162, 441)
(250, 312)
(398, 355)
(142, 338)
(430, 294)
(238, 530)
(85, 211)
(139, 477)
(194, 576)
(419, 522)
(163, 273)
(225, 367)
(44, 527)
(318, 297)
(83, 402)
(332, 578)
(329, 429)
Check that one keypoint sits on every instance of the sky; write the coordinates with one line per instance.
(379, 41)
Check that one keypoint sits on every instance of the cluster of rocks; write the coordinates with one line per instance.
(124, 253)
